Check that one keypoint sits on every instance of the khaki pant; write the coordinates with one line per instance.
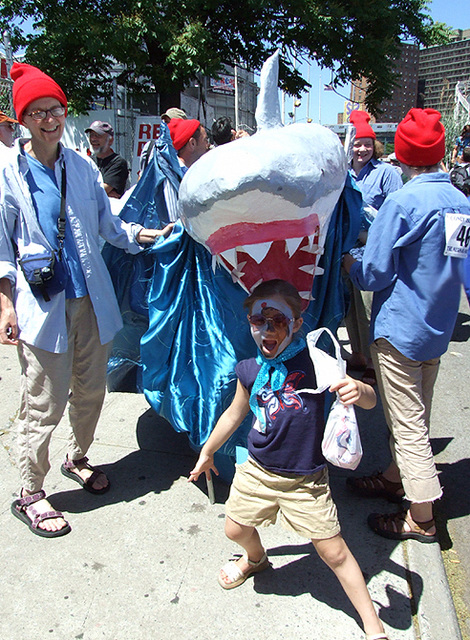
(48, 380)
(406, 388)
(305, 503)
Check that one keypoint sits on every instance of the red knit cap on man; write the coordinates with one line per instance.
(182, 130)
(30, 84)
(420, 139)
(360, 120)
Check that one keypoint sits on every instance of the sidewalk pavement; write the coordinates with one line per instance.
(142, 560)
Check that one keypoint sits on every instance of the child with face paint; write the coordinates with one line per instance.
(285, 471)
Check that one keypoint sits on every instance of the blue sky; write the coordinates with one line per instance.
(455, 13)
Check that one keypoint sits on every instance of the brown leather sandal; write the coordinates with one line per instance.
(376, 486)
(67, 470)
(400, 526)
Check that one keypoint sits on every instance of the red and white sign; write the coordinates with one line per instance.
(146, 128)
(223, 84)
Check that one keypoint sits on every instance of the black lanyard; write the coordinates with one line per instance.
(61, 219)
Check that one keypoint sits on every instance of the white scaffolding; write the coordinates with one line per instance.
(462, 103)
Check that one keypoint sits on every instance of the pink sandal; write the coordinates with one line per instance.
(24, 510)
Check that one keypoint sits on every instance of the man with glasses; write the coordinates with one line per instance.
(113, 167)
(7, 130)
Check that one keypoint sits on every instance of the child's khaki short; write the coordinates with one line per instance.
(305, 502)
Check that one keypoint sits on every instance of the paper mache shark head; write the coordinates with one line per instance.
(262, 204)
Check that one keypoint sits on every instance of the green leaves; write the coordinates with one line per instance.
(167, 44)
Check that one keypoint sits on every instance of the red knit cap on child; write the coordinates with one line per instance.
(181, 131)
(420, 139)
(30, 84)
(360, 119)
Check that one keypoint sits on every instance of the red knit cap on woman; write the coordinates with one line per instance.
(420, 140)
(360, 119)
(30, 84)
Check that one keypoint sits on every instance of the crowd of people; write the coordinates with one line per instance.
(58, 308)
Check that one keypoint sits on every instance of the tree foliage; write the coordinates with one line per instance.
(167, 44)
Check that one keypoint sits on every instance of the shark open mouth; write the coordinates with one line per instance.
(252, 252)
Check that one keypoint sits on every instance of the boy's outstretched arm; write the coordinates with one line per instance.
(227, 424)
(352, 391)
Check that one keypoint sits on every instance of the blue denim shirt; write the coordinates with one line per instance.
(376, 180)
(89, 216)
(417, 288)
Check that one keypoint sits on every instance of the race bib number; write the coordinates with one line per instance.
(457, 227)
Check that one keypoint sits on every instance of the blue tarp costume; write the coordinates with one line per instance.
(197, 329)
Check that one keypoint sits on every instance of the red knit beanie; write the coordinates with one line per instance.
(420, 138)
(181, 131)
(30, 84)
(360, 119)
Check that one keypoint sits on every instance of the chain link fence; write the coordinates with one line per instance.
(6, 101)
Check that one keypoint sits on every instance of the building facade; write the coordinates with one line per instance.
(233, 94)
(440, 69)
(404, 94)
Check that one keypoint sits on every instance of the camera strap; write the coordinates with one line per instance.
(61, 219)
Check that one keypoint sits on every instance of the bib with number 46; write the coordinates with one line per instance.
(457, 226)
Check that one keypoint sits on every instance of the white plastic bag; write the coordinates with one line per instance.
(341, 444)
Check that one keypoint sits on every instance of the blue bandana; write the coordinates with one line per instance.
(272, 370)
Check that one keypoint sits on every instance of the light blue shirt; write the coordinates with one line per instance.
(47, 198)
(376, 180)
(417, 288)
(89, 216)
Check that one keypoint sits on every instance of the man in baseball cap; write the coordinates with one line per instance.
(7, 129)
(174, 112)
(113, 167)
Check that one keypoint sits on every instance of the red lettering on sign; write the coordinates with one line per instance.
(144, 131)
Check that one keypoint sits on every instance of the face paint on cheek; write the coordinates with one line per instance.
(259, 334)
(287, 340)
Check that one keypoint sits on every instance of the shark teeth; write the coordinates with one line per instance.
(231, 256)
(308, 268)
(234, 260)
(238, 271)
(260, 250)
(313, 248)
(292, 244)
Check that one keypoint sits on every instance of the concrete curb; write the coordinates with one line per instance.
(436, 616)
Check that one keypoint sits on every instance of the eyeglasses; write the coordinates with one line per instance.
(278, 321)
(41, 114)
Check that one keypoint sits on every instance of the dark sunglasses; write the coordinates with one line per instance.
(279, 321)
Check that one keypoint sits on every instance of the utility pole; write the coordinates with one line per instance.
(8, 52)
(235, 68)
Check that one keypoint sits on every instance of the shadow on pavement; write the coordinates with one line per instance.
(461, 329)
(163, 457)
